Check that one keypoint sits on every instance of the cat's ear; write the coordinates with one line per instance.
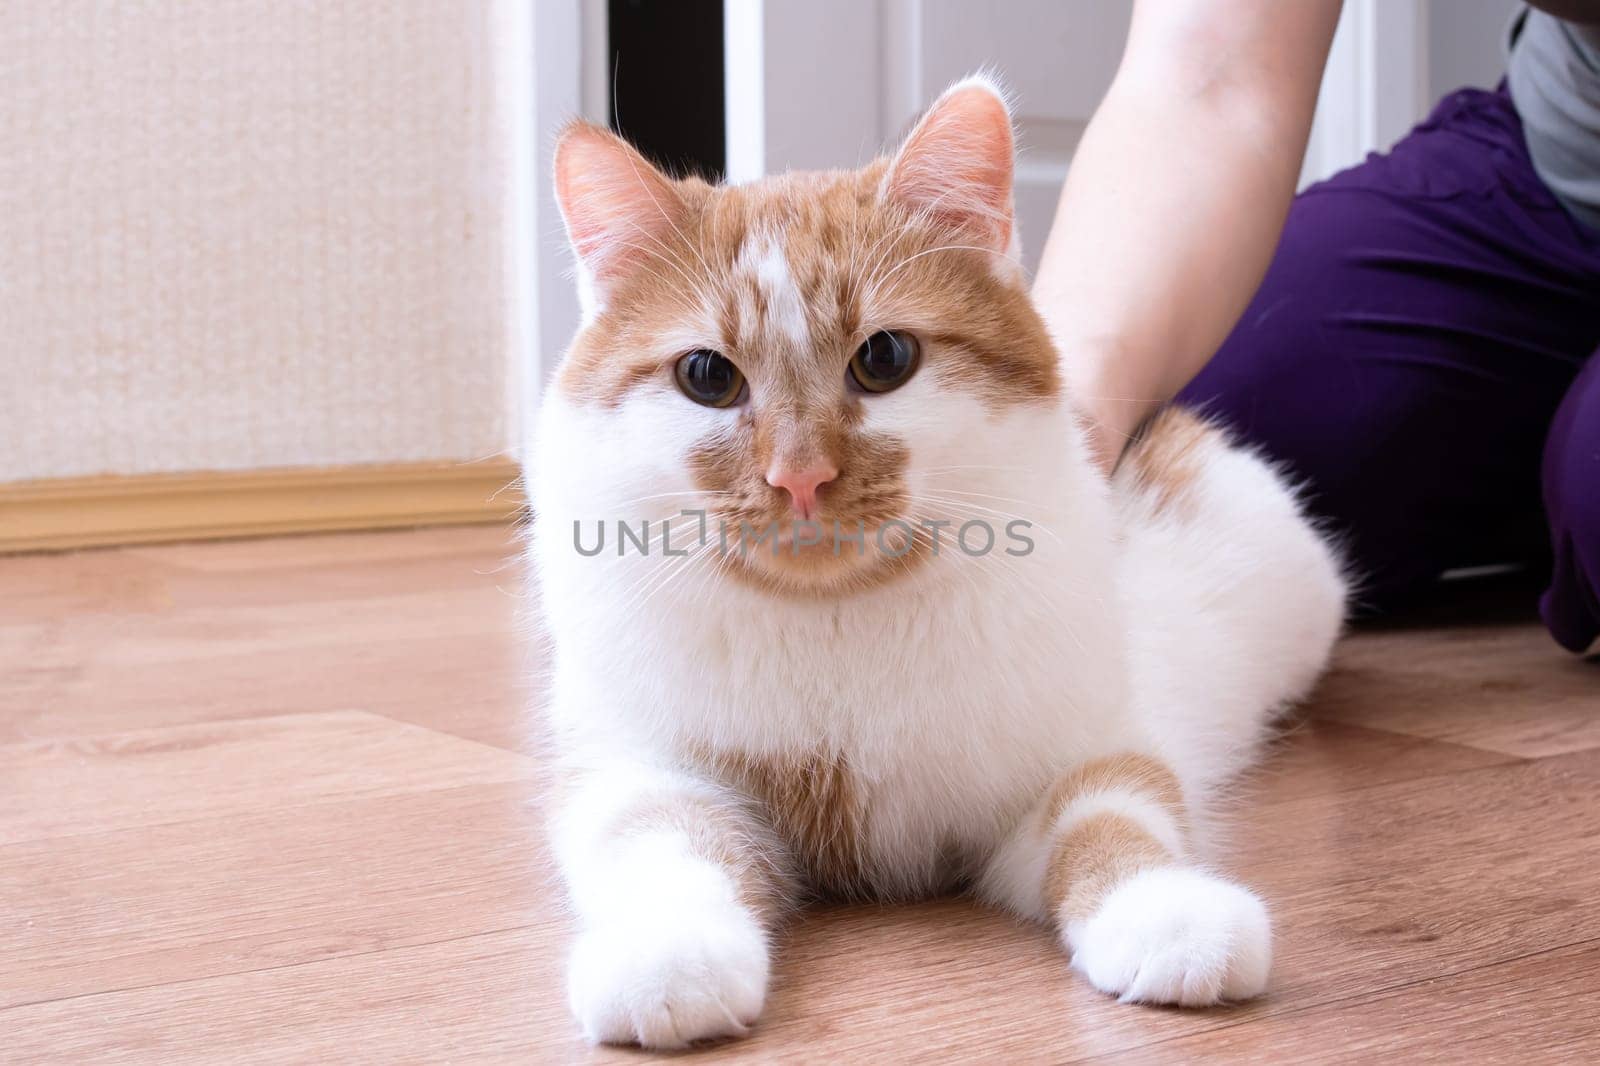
(619, 210)
(958, 162)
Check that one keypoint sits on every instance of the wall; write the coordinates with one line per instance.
(255, 233)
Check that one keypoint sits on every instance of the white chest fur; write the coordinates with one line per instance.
(951, 698)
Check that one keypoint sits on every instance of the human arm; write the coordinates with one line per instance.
(1176, 197)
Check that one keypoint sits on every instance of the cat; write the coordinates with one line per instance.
(864, 703)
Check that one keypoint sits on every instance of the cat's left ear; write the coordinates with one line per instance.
(957, 165)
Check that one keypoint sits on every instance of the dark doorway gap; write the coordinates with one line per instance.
(666, 73)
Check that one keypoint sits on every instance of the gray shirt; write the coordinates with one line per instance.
(1554, 76)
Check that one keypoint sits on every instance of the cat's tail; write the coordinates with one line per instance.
(1233, 598)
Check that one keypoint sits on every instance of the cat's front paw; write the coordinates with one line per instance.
(1176, 936)
(667, 980)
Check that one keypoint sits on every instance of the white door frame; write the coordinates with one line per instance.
(566, 41)
(785, 105)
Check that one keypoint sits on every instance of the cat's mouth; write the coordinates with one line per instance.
(822, 555)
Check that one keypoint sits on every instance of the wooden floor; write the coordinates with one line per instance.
(271, 801)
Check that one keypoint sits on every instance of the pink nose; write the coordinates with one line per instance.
(801, 483)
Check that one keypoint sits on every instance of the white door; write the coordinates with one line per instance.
(815, 84)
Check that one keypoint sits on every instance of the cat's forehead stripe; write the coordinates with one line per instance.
(763, 260)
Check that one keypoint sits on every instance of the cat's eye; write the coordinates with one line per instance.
(886, 360)
(709, 378)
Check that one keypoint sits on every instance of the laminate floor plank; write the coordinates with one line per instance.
(1503, 688)
(1542, 1008)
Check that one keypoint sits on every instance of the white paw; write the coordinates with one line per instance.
(664, 980)
(1176, 936)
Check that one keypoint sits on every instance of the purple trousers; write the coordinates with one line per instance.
(1421, 355)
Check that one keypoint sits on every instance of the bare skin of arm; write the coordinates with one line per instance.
(1176, 198)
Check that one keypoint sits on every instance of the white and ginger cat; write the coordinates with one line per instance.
(871, 705)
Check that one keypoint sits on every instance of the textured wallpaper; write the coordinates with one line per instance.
(252, 233)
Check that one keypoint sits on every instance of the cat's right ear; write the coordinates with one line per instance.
(619, 210)
(958, 164)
